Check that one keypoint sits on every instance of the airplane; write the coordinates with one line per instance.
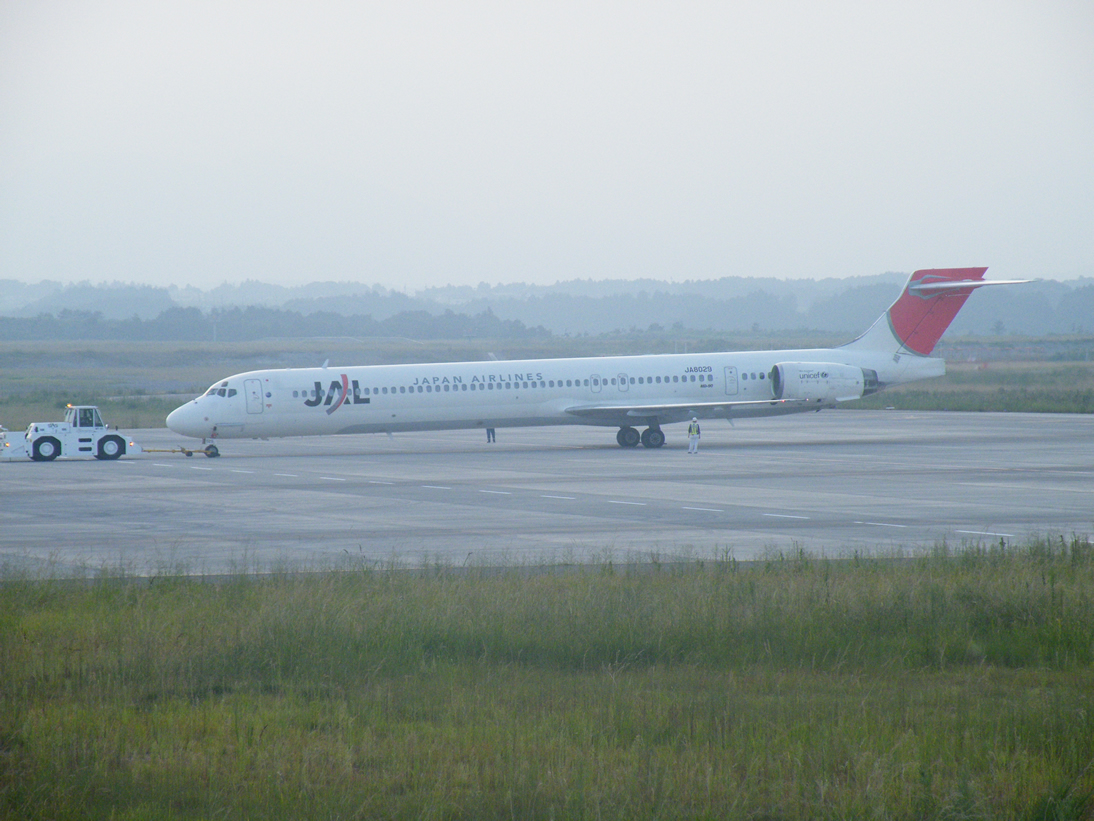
(624, 392)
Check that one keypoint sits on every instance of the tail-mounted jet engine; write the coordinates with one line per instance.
(821, 381)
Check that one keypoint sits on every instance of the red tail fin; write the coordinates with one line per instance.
(930, 301)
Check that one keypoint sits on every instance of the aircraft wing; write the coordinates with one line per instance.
(670, 411)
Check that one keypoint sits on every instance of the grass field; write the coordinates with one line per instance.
(136, 385)
(1028, 387)
(955, 685)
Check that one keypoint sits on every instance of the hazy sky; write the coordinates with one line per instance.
(411, 144)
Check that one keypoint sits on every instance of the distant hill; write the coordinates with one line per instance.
(726, 305)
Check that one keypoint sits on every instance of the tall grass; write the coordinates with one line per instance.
(1026, 387)
(958, 684)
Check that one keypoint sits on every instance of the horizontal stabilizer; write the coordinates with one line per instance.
(937, 287)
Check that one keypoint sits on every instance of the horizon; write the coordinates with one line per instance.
(494, 285)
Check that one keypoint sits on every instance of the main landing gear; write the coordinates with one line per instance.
(652, 437)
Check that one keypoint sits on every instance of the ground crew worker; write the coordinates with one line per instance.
(693, 435)
(489, 434)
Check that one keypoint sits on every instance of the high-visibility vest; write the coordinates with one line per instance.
(693, 429)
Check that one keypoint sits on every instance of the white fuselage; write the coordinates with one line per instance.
(647, 390)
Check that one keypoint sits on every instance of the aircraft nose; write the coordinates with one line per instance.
(187, 420)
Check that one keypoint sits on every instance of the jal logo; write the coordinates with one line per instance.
(339, 389)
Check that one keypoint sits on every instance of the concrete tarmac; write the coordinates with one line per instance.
(831, 483)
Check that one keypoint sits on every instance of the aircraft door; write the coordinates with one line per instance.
(252, 388)
(622, 382)
(594, 383)
(731, 381)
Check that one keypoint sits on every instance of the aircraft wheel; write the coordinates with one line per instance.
(45, 449)
(627, 437)
(653, 437)
(211, 451)
(110, 447)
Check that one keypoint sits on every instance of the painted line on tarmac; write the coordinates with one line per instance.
(332, 478)
(237, 470)
(499, 492)
(546, 496)
(378, 482)
(986, 533)
(705, 509)
(881, 524)
(783, 516)
(437, 487)
(637, 504)
(286, 475)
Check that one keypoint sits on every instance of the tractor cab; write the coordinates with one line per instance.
(86, 417)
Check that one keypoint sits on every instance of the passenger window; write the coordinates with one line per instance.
(526, 386)
(761, 375)
(402, 389)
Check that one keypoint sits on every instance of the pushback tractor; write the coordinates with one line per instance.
(81, 434)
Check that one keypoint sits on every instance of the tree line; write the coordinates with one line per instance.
(253, 323)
